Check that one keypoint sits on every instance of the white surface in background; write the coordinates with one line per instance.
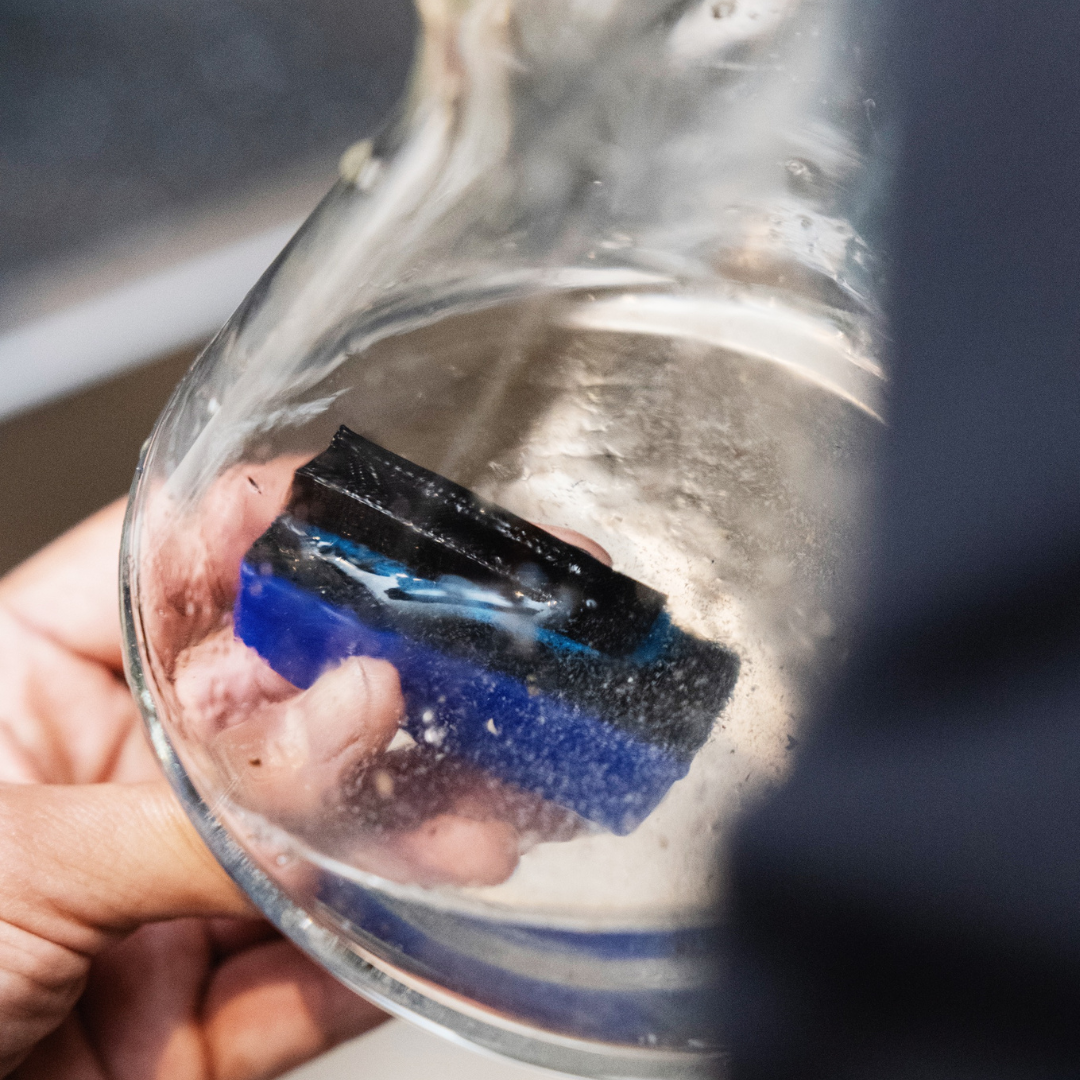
(399, 1051)
(133, 323)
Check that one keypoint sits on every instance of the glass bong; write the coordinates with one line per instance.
(479, 572)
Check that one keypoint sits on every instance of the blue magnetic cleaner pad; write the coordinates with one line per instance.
(532, 740)
(517, 652)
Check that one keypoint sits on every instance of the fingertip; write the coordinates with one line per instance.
(219, 681)
(454, 850)
(356, 706)
(237, 511)
(572, 536)
(289, 759)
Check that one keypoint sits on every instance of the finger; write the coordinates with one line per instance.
(264, 1009)
(190, 559)
(229, 936)
(477, 840)
(83, 863)
(63, 717)
(571, 536)
(237, 510)
(221, 681)
(271, 1008)
(68, 591)
(454, 850)
(64, 1051)
(420, 818)
(141, 1007)
(285, 752)
(289, 759)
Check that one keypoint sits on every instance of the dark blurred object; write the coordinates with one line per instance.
(114, 113)
(909, 905)
(67, 459)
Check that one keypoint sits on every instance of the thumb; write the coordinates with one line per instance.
(83, 863)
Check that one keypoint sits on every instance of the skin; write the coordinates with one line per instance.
(125, 951)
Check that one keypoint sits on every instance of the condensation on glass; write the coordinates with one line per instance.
(606, 272)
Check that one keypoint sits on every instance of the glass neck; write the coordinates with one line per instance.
(707, 148)
(717, 139)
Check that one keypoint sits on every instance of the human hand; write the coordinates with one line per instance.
(125, 951)
(316, 762)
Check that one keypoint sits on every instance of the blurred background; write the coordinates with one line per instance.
(154, 158)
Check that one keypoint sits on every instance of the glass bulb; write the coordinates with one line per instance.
(598, 322)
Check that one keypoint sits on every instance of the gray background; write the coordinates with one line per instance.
(114, 112)
(126, 120)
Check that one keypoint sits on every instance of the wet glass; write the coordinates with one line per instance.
(482, 568)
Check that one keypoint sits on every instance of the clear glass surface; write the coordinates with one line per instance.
(606, 274)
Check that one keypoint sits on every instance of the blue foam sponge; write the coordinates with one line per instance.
(522, 656)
